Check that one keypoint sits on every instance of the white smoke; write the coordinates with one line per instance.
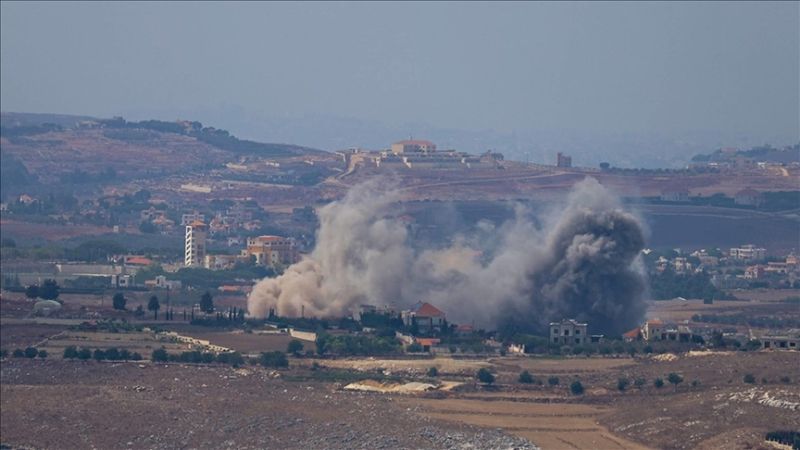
(579, 264)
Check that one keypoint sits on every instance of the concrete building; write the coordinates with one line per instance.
(780, 342)
(675, 195)
(187, 219)
(272, 250)
(652, 330)
(569, 332)
(413, 146)
(195, 244)
(563, 160)
(748, 252)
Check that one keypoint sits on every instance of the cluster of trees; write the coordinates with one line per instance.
(274, 359)
(668, 285)
(28, 352)
(355, 345)
(746, 319)
(232, 358)
(49, 290)
(110, 354)
(791, 438)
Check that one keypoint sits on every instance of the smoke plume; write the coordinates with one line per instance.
(580, 263)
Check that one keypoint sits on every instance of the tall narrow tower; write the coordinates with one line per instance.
(195, 244)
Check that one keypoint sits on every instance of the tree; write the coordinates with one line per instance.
(749, 378)
(576, 388)
(553, 381)
(294, 347)
(639, 382)
(675, 379)
(207, 303)
(49, 289)
(525, 377)
(322, 343)
(154, 305)
(622, 384)
(18, 353)
(433, 372)
(160, 355)
(31, 352)
(484, 376)
(32, 291)
(658, 383)
(84, 354)
(604, 166)
(42, 354)
(99, 354)
(119, 301)
(274, 359)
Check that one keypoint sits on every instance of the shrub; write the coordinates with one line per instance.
(484, 376)
(3, 353)
(135, 356)
(639, 382)
(525, 377)
(99, 354)
(294, 347)
(576, 388)
(749, 378)
(675, 379)
(648, 349)
(112, 354)
(159, 355)
(786, 380)
(84, 354)
(233, 358)
(414, 348)
(31, 352)
(70, 352)
(553, 381)
(433, 372)
(622, 384)
(695, 383)
(764, 380)
(42, 354)
(273, 359)
(658, 383)
(18, 353)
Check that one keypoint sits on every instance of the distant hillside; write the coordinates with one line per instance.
(81, 152)
(764, 153)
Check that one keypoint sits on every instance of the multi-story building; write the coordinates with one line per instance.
(569, 332)
(196, 233)
(748, 252)
(195, 216)
(413, 146)
(563, 160)
(426, 316)
(272, 250)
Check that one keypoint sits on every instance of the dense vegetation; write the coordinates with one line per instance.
(668, 285)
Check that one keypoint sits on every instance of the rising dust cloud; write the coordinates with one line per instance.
(582, 264)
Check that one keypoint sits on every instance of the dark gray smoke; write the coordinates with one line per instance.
(581, 264)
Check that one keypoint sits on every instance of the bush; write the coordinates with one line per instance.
(273, 359)
(112, 354)
(31, 352)
(749, 378)
(658, 383)
(135, 356)
(695, 383)
(786, 380)
(124, 354)
(232, 358)
(119, 301)
(433, 372)
(294, 347)
(553, 381)
(3, 353)
(70, 352)
(576, 388)
(639, 382)
(84, 354)
(18, 353)
(675, 379)
(42, 354)
(159, 355)
(99, 354)
(484, 376)
(525, 377)
(414, 348)
(622, 384)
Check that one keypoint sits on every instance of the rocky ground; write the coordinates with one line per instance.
(72, 404)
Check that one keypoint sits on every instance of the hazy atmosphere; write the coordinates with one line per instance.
(524, 78)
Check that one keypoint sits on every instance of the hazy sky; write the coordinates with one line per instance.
(648, 67)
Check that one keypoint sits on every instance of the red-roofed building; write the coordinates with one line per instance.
(633, 335)
(426, 317)
(138, 261)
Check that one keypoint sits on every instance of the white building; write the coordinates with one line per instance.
(196, 233)
(569, 332)
(748, 252)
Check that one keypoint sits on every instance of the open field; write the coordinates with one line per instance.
(245, 342)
